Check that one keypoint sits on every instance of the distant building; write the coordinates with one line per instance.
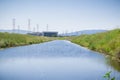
(50, 34)
(46, 33)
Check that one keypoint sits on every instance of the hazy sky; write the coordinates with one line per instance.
(60, 15)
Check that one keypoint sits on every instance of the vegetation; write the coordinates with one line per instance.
(12, 39)
(107, 76)
(106, 42)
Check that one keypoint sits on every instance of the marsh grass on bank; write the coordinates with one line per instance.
(12, 39)
(106, 42)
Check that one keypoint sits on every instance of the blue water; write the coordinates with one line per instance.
(55, 60)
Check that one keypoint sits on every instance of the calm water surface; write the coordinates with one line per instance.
(55, 60)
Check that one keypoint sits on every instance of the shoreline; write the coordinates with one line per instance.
(8, 40)
(107, 43)
(106, 55)
(22, 45)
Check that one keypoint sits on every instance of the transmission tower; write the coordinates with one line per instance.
(13, 21)
(47, 27)
(37, 28)
(34, 29)
(29, 29)
(18, 28)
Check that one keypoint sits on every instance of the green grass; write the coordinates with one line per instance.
(107, 76)
(106, 42)
(12, 39)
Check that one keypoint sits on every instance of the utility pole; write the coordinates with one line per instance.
(117, 26)
(47, 27)
(29, 29)
(13, 21)
(37, 28)
(66, 33)
(34, 29)
(18, 28)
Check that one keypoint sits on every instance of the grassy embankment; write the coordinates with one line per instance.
(12, 39)
(106, 42)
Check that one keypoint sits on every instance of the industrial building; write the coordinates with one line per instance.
(45, 33)
(50, 34)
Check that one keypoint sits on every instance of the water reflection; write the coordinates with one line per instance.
(50, 68)
(113, 63)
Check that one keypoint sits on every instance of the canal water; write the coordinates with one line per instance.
(55, 60)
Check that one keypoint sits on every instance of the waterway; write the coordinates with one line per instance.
(55, 60)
